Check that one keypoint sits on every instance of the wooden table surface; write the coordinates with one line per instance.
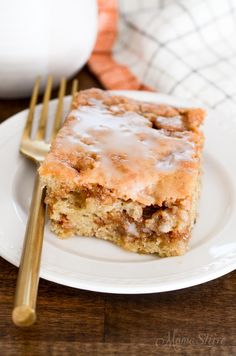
(196, 321)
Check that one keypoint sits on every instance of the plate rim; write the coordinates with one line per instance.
(119, 289)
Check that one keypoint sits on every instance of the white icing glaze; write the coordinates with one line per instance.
(115, 108)
(126, 143)
(168, 161)
(175, 121)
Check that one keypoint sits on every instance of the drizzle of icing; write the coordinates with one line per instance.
(174, 121)
(125, 144)
(115, 108)
(168, 162)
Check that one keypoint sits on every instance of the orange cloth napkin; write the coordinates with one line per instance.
(110, 73)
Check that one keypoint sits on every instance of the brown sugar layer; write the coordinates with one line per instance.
(126, 171)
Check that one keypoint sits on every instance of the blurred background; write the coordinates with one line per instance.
(185, 48)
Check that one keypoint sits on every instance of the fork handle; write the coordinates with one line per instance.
(23, 313)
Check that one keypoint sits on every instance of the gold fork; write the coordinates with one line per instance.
(23, 313)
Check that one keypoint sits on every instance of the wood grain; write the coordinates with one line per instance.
(196, 321)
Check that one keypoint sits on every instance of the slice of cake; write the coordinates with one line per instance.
(126, 171)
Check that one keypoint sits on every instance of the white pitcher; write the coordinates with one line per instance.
(43, 37)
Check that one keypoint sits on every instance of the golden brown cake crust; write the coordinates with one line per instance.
(125, 171)
(145, 152)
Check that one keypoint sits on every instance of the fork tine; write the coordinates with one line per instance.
(57, 120)
(73, 91)
(33, 101)
(42, 122)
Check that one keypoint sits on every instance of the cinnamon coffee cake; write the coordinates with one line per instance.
(126, 171)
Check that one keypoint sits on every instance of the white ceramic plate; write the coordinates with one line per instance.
(97, 265)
